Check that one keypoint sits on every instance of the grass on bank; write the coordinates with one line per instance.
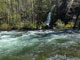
(29, 26)
(17, 26)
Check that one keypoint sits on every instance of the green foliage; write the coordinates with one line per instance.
(33, 26)
(19, 25)
(15, 12)
(5, 26)
(16, 17)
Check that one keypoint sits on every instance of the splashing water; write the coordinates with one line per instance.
(32, 45)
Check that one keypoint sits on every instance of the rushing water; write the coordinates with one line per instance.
(37, 45)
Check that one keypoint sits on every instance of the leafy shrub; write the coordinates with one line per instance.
(60, 24)
(19, 25)
(33, 26)
(5, 26)
(69, 26)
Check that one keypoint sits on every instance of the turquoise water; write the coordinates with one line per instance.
(38, 45)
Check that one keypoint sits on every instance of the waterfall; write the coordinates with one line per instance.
(49, 16)
(50, 13)
(48, 19)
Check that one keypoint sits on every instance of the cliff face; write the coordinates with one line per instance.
(66, 11)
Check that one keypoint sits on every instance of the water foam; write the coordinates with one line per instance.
(13, 42)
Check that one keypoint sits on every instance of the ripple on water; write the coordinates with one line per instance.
(15, 43)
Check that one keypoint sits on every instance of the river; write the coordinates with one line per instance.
(38, 45)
